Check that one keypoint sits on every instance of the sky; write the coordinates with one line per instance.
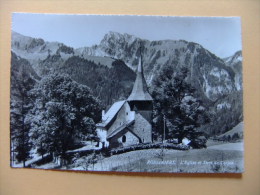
(220, 35)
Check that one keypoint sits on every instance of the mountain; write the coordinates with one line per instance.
(21, 72)
(36, 49)
(110, 79)
(235, 62)
(208, 73)
(211, 76)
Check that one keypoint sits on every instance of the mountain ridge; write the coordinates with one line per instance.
(213, 76)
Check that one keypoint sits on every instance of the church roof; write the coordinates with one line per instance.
(111, 113)
(140, 90)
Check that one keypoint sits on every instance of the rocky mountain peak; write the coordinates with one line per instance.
(112, 36)
(234, 59)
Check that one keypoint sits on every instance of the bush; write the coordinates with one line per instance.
(235, 137)
(149, 146)
(199, 142)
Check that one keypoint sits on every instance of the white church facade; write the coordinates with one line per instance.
(128, 122)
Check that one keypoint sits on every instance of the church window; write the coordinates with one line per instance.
(124, 139)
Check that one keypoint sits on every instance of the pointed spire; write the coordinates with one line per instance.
(140, 65)
(140, 90)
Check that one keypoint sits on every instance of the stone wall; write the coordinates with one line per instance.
(142, 128)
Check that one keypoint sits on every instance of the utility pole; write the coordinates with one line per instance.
(164, 127)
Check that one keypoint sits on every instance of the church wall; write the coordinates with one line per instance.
(123, 116)
(143, 128)
(113, 143)
(130, 139)
(146, 114)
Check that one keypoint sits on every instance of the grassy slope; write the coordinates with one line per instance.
(219, 157)
(237, 129)
(212, 159)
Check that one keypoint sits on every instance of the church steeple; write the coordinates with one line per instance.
(140, 89)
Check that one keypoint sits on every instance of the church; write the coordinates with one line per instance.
(128, 122)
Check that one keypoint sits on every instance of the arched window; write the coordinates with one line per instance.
(124, 139)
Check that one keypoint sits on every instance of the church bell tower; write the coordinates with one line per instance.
(140, 100)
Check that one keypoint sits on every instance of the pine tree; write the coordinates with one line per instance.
(21, 83)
